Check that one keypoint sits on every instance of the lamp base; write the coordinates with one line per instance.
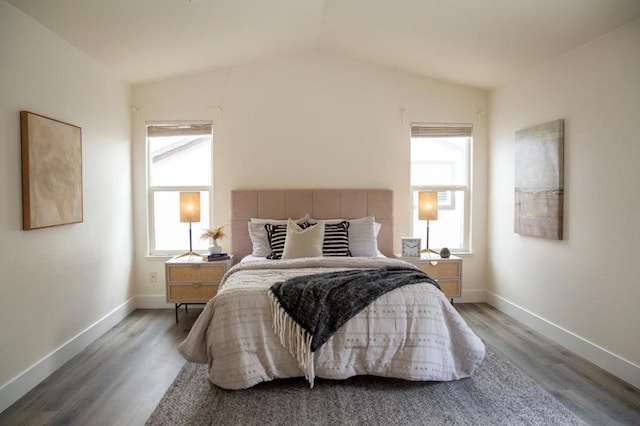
(428, 251)
(189, 253)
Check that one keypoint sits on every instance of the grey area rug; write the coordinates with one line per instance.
(498, 394)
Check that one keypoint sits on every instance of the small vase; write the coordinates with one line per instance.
(215, 248)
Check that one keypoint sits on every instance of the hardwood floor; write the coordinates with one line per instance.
(117, 380)
(121, 377)
(591, 393)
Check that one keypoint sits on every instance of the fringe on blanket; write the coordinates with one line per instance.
(293, 337)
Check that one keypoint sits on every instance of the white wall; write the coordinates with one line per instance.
(309, 120)
(584, 290)
(57, 283)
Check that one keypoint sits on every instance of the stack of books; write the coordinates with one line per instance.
(216, 256)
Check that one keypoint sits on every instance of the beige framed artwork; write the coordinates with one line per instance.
(539, 180)
(51, 172)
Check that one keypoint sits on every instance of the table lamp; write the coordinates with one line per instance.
(189, 212)
(427, 210)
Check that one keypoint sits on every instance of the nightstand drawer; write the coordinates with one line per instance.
(450, 288)
(447, 271)
(196, 272)
(192, 280)
(194, 291)
(441, 269)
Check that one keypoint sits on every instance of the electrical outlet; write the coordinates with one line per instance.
(153, 277)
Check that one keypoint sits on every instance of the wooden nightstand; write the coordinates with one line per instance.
(192, 280)
(448, 272)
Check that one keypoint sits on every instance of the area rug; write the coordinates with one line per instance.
(498, 394)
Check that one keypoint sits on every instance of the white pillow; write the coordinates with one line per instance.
(363, 241)
(259, 237)
(303, 242)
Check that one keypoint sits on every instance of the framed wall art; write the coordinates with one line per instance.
(51, 172)
(539, 180)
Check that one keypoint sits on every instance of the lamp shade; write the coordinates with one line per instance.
(189, 207)
(427, 205)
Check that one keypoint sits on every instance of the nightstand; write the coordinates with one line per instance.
(448, 272)
(192, 280)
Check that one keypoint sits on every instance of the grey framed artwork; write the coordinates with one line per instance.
(539, 180)
(51, 172)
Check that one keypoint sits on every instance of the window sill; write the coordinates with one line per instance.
(159, 257)
(462, 253)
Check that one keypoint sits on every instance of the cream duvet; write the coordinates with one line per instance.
(412, 332)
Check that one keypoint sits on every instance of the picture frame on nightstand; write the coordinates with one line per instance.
(411, 247)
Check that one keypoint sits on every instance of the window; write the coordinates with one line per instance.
(440, 156)
(179, 159)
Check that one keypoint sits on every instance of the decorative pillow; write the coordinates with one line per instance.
(303, 242)
(277, 234)
(259, 240)
(363, 239)
(336, 239)
(259, 237)
(363, 235)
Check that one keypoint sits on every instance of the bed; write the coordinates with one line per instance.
(410, 332)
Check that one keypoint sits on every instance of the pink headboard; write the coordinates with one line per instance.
(318, 203)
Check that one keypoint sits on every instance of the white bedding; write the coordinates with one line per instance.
(411, 333)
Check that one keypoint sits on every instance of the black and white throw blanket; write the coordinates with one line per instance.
(308, 310)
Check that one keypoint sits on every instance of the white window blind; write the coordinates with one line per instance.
(425, 130)
(176, 129)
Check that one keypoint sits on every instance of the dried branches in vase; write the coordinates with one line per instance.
(214, 235)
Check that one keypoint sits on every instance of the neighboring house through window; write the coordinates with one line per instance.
(440, 161)
(179, 159)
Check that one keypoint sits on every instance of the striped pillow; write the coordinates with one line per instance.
(336, 239)
(276, 234)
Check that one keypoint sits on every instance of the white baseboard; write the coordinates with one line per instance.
(28, 379)
(153, 301)
(614, 364)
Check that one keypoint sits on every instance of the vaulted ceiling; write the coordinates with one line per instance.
(479, 43)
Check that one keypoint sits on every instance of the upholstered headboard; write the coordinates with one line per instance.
(318, 203)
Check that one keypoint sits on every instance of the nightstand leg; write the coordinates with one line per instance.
(177, 307)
